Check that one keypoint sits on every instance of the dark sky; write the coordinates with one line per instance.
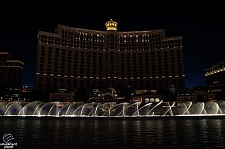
(201, 24)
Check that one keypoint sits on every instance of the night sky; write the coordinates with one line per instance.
(201, 24)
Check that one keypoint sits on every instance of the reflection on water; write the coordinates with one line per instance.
(114, 133)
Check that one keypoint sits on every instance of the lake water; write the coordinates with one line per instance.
(76, 133)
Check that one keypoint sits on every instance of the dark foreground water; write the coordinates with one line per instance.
(76, 133)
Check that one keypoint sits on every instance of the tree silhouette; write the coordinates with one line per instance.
(81, 95)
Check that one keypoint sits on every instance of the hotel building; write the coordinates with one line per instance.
(72, 57)
(10, 72)
(215, 75)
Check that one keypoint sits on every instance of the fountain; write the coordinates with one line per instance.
(112, 109)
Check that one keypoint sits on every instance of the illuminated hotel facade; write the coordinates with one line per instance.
(215, 74)
(10, 72)
(72, 57)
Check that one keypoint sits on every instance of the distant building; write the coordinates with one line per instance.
(218, 90)
(61, 96)
(192, 96)
(215, 74)
(215, 80)
(10, 72)
(72, 57)
(25, 88)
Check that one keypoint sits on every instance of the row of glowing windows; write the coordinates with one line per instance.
(141, 37)
(87, 36)
(215, 68)
(90, 36)
(69, 33)
(111, 77)
(124, 42)
(111, 24)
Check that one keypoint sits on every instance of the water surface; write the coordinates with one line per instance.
(167, 132)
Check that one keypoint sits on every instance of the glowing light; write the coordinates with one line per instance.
(111, 25)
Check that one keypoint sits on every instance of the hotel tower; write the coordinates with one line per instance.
(74, 57)
(11, 71)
